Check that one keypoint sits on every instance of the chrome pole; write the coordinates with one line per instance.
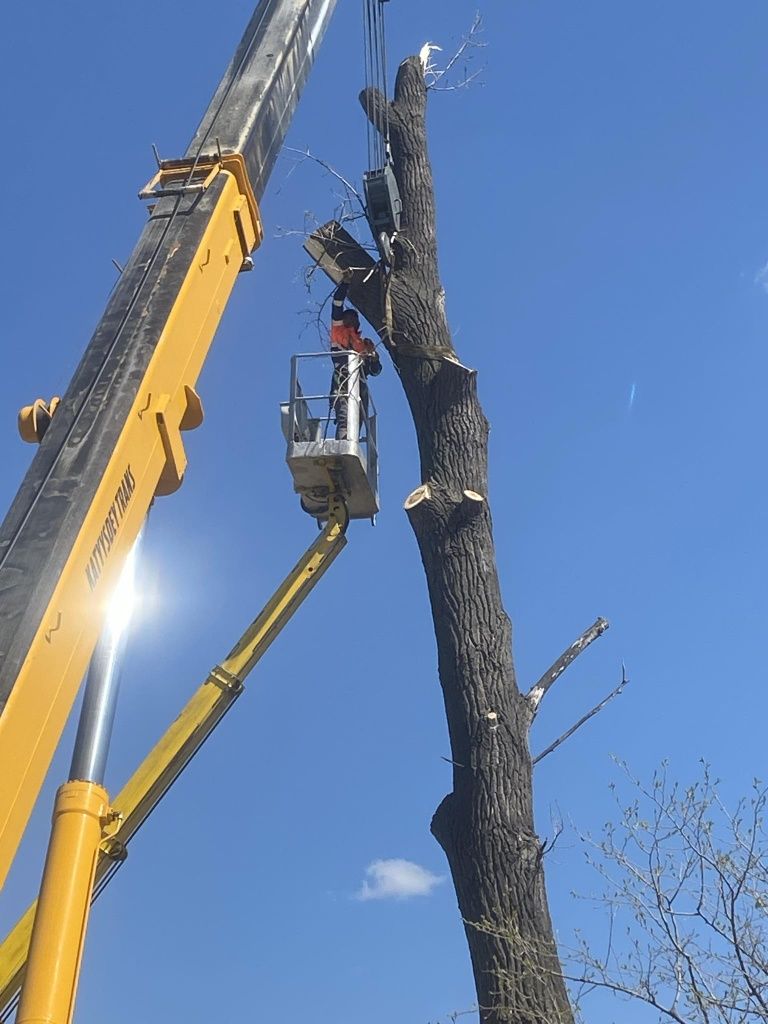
(97, 714)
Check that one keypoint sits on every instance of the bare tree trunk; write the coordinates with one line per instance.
(485, 825)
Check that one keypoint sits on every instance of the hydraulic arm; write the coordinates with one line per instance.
(115, 440)
(149, 783)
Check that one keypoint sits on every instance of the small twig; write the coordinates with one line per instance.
(549, 844)
(449, 761)
(537, 692)
(465, 81)
(585, 718)
(307, 155)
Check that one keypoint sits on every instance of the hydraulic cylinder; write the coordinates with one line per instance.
(80, 814)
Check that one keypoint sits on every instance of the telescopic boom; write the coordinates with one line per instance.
(115, 440)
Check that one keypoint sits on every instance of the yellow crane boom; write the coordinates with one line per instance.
(115, 441)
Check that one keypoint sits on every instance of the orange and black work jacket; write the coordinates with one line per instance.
(345, 338)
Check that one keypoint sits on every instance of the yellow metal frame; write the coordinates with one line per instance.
(34, 419)
(171, 172)
(80, 817)
(149, 783)
(148, 459)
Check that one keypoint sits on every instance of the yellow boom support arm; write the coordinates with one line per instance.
(157, 773)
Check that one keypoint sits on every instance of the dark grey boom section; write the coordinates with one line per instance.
(252, 108)
(250, 113)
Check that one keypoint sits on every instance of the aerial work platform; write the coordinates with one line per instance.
(320, 463)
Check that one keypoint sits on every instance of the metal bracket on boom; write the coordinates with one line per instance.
(35, 419)
(170, 433)
(226, 680)
(181, 177)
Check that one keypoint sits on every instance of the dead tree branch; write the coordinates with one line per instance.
(539, 690)
(305, 154)
(585, 718)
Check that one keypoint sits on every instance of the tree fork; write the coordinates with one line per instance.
(485, 825)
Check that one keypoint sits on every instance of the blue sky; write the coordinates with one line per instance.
(603, 232)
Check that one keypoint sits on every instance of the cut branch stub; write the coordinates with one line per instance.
(473, 496)
(422, 493)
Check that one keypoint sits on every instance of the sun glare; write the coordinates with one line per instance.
(123, 600)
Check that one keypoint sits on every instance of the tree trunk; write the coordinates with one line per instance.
(485, 825)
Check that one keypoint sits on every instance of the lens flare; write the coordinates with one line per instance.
(123, 600)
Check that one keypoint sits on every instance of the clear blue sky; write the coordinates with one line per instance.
(603, 223)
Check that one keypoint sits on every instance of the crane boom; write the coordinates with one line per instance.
(115, 440)
(186, 735)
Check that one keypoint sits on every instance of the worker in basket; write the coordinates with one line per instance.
(346, 337)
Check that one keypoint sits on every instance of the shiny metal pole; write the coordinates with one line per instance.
(97, 714)
(81, 816)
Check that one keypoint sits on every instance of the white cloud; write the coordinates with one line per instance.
(761, 277)
(396, 879)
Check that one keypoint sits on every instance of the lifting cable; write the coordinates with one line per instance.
(375, 50)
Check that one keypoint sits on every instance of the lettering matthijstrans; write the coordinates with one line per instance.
(109, 528)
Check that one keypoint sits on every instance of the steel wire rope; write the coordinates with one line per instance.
(376, 77)
(369, 73)
(230, 85)
(385, 89)
(130, 307)
(375, 66)
(380, 82)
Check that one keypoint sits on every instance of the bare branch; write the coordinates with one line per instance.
(537, 692)
(635, 993)
(585, 718)
(434, 76)
(463, 83)
(691, 877)
(307, 155)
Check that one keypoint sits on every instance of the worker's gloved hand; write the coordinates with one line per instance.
(372, 361)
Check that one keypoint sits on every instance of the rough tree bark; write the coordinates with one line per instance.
(485, 824)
